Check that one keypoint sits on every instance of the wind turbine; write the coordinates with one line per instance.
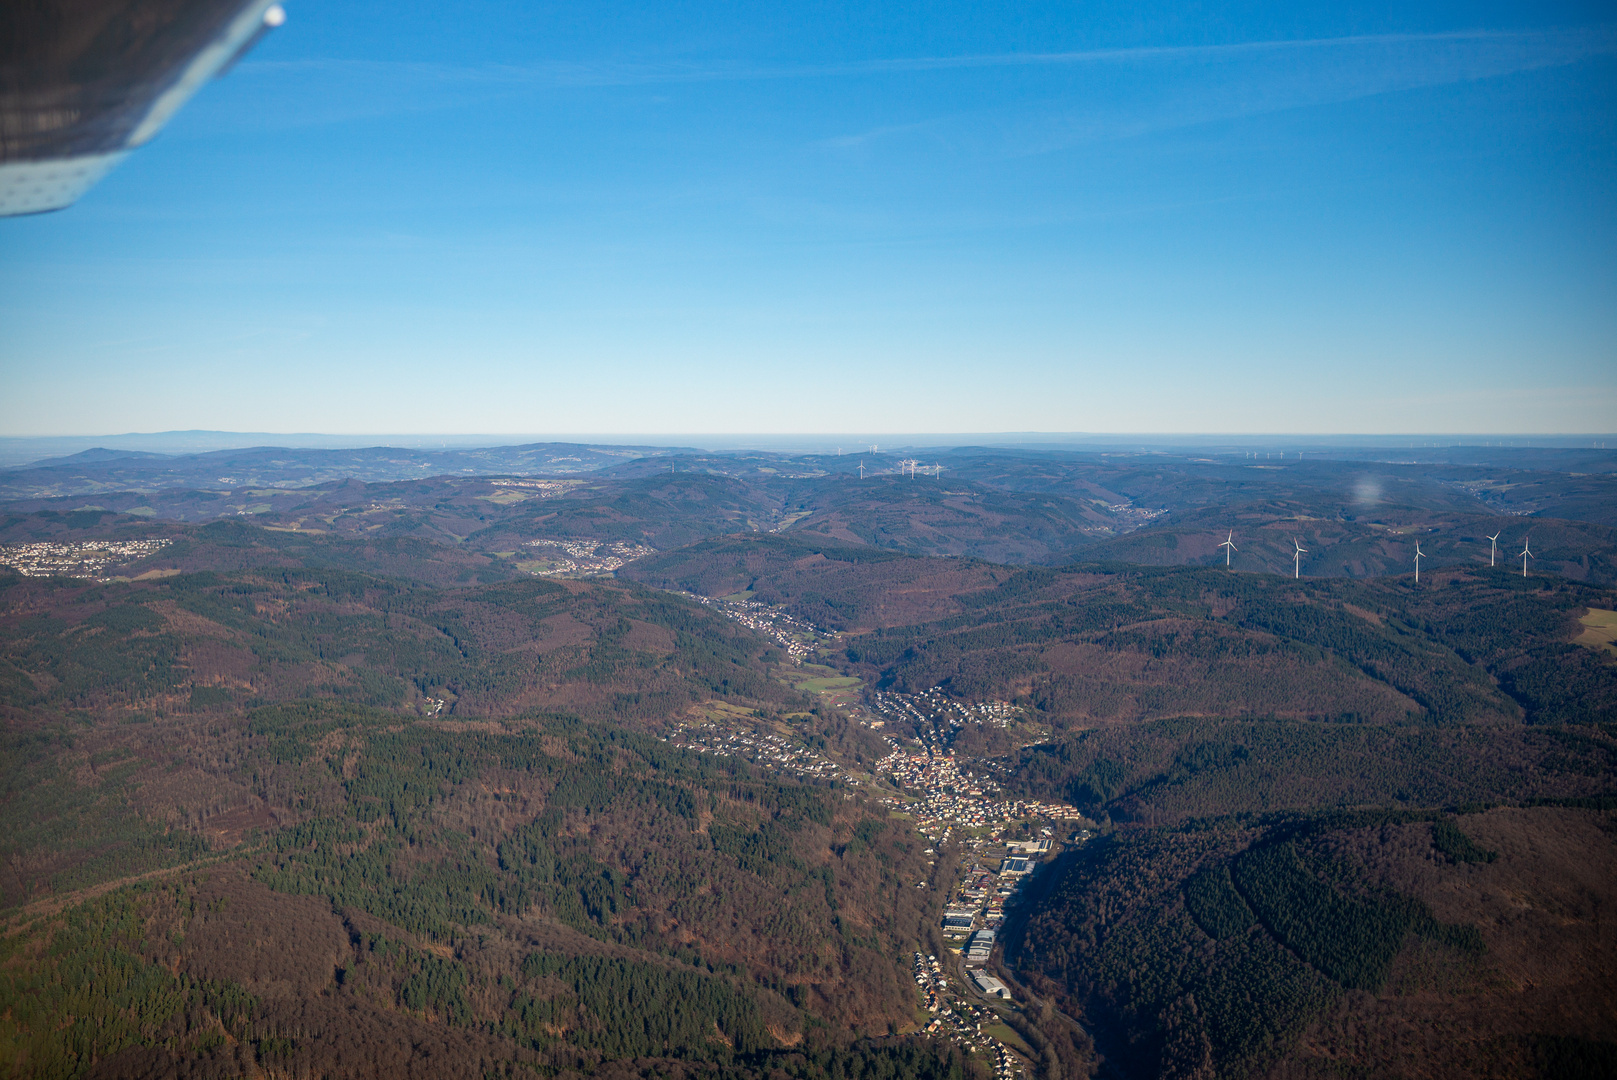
(1297, 558)
(1419, 555)
(1493, 546)
(861, 470)
(1525, 556)
(1229, 546)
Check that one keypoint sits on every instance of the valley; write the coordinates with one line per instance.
(627, 773)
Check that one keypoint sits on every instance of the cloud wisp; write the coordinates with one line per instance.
(1449, 55)
(1058, 100)
(1136, 92)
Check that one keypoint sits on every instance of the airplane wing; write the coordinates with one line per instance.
(84, 82)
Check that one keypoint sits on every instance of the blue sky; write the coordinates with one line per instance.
(967, 217)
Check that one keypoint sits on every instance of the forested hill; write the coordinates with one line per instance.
(1374, 943)
(841, 586)
(1347, 827)
(363, 825)
(1356, 518)
(349, 801)
(1108, 643)
(545, 891)
(1105, 642)
(1267, 533)
(608, 650)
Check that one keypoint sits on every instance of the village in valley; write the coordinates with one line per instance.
(798, 637)
(959, 814)
(760, 747)
(967, 821)
(933, 708)
(579, 558)
(79, 558)
(988, 845)
(943, 799)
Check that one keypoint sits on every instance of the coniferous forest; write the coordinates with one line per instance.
(333, 790)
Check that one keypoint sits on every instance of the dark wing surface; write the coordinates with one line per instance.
(84, 82)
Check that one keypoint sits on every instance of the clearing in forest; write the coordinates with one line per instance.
(1600, 630)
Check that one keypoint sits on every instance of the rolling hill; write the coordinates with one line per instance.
(324, 779)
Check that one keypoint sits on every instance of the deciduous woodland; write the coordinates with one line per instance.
(353, 793)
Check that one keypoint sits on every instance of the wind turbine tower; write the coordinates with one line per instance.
(1493, 547)
(1419, 555)
(861, 470)
(1525, 556)
(1297, 559)
(1229, 547)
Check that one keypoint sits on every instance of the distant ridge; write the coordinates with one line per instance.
(18, 450)
(22, 450)
(100, 469)
(95, 456)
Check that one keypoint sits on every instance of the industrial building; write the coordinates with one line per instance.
(1030, 847)
(990, 985)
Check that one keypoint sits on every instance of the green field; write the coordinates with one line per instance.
(1010, 1038)
(818, 679)
(1600, 630)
